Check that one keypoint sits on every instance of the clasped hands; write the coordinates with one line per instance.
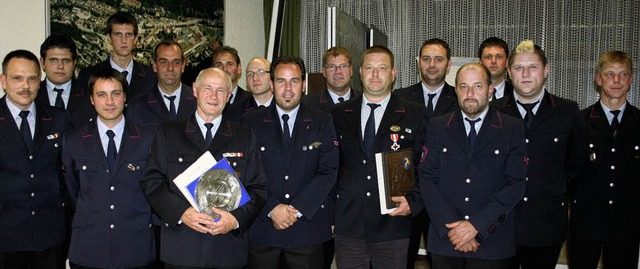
(204, 223)
(283, 216)
(462, 235)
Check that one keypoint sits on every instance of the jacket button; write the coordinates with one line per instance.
(364, 161)
(112, 188)
(444, 149)
(556, 140)
(286, 177)
(613, 149)
(611, 184)
(368, 177)
(466, 217)
(613, 167)
(179, 160)
(261, 148)
(525, 199)
(286, 196)
(84, 167)
(112, 226)
(368, 194)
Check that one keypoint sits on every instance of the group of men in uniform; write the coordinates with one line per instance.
(87, 164)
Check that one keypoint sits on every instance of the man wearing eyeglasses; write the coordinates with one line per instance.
(259, 84)
(226, 58)
(169, 99)
(439, 98)
(378, 121)
(337, 71)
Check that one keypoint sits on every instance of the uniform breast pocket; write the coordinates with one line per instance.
(178, 162)
(133, 172)
(554, 143)
(239, 165)
(87, 172)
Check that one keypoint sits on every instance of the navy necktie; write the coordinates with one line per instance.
(472, 131)
(286, 133)
(370, 129)
(25, 130)
(340, 99)
(615, 122)
(172, 106)
(430, 104)
(494, 97)
(209, 137)
(528, 118)
(112, 152)
(59, 103)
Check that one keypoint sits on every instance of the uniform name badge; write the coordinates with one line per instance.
(394, 138)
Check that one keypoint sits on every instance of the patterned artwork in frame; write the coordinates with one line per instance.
(196, 24)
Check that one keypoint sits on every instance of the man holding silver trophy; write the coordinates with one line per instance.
(190, 238)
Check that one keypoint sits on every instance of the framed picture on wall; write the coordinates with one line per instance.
(196, 24)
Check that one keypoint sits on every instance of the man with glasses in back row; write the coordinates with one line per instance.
(259, 84)
(337, 71)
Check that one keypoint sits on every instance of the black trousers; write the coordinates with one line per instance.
(536, 257)
(619, 252)
(419, 229)
(265, 257)
(447, 262)
(46, 259)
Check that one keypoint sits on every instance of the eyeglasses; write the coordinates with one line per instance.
(333, 67)
(260, 73)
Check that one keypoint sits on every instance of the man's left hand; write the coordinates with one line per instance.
(224, 224)
(402, 208)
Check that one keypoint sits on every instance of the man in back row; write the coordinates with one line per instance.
(122, 33)
(337, 70)
(433, 92)
(493, 54)
(169, 99)
(58, 57)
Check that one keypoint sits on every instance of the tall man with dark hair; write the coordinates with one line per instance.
(170, 99)
(337, 70)
(556, 140)
(434, 62)
(297, 144)
(31, 200)
(122, 33)
(472, 177)
(493, 54)
(104, 160)
(378, 121)
(605, 203)
(227, 59)
(190, 239)
(58, 57)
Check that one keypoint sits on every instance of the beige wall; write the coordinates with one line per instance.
(24, 26)
(244, 30)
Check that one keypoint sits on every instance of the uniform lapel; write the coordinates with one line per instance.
(44, 124)
(598, 119)
(352, 115)
(194, 134)
(491, 126)
(272, 124)
(545, 110)
(92, 142)
(9, 127)
(155, 103)
(456, 130)
(392, 115)
(446, 100)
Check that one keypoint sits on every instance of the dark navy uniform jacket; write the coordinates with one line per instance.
(482, 185)
(302, 176)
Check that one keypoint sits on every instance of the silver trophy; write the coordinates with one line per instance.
(218, 188)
